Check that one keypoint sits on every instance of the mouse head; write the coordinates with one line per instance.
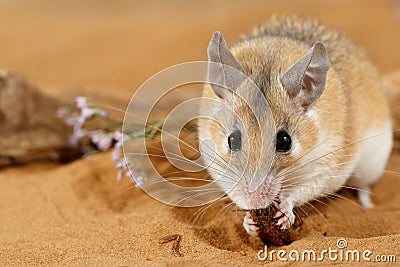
(262, 105)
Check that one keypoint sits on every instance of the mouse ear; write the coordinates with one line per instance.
(223, 77)
(305, 81)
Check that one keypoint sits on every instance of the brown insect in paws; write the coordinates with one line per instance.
(270, 233)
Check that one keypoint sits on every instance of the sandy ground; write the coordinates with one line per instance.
(78, 214)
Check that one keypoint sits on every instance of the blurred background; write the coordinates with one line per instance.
(79, 213)
(117, 45)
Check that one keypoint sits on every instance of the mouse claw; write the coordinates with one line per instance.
(250, 225)
(278, 214)
(286, 222)
(285, 215)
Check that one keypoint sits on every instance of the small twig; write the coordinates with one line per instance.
(175, 246)
(154, 128)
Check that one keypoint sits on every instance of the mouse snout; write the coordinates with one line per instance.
(261, 197)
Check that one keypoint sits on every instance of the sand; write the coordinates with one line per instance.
(78, 214)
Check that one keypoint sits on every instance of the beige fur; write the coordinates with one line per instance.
(352, 107)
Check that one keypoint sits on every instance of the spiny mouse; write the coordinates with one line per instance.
(328, 122)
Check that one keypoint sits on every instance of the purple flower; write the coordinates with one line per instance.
(62, 112)
(103, 113)
(77, 135)
(86, 113)
(118, 136)
(116, 154)
(102, 139)
(119, 175)
(82, 102)
(72, 121)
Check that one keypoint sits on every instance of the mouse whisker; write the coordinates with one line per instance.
(179, 158)
(320, 213)
(334, 195)
(289, 180)
(224, 210)
(336, 150)
(202, 210)
(391, 172)
(202, 193)
(327, 169)
(220, 161)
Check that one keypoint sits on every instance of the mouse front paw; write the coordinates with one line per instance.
(285, 215)
(250, 225)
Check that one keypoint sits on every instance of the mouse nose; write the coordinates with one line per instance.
(256, 201)
(261, 198)
(259, 193)
(256, 182)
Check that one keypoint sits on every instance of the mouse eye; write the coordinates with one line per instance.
(283, 142)
(235, 140)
